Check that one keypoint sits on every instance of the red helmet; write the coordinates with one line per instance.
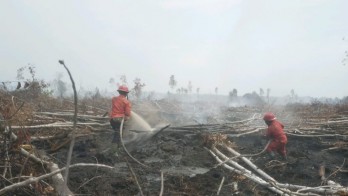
(269, 116)
(123, 89)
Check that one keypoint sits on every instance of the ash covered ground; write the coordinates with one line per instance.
(189, 169)
(317, 148)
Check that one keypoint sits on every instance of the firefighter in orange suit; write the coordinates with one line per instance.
(121, 108)
(275, 132)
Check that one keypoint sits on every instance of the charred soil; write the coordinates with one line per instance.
(317, 141)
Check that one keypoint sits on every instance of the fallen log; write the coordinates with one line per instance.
(282, 188)
(250, 176)
(55, 125)
(57, 178)
(233, 163)
(246, 155)
(250, 164)
(55, 172)
(240, 134)
(314, 135)
(42, 138)
(72, 114)
(255, 117)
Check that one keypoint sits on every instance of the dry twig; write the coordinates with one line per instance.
(221, 183)
(74, 127)
(134, 177)
(162, 184)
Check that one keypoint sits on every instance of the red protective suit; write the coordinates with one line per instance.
(121, 107)
(279, 139)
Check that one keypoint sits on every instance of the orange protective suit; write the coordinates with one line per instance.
(279, 139)
(121, 107)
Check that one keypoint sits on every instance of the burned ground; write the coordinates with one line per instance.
(317, 139)
(190, 169)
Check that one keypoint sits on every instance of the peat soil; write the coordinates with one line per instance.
(188, 169)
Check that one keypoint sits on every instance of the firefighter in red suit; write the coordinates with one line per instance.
(121, 109)
(275, 132)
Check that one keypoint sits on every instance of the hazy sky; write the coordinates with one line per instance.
(247, 45)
